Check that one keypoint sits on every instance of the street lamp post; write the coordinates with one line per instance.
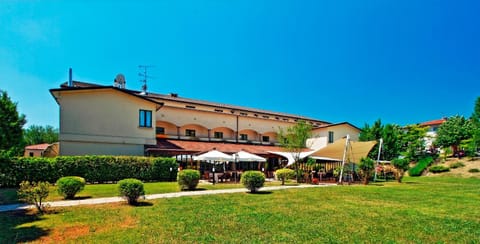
(213, 171)
(235, 156)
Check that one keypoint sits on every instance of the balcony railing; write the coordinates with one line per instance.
(211, 139)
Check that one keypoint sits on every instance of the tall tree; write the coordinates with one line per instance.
(413, 141)
(294, 140)
(453, 131)
(11, 124)
(375, 132)
(392, 142)
(37, 134)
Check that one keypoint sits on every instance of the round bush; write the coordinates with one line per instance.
(457, 165)
(474, 170)
(439, 169)
(188, 179)
(284, 174)
(69, 186)
(253, 180)
(131, 189)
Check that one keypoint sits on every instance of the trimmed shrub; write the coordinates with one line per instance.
(457, 165)
(131, 189)
(284, 174)
(69, 186)
(421, 165)
(474, 170)
(439, 169)
(253, 180)
(34, 193)
(401, 165)
(188, 179)
(366, 166)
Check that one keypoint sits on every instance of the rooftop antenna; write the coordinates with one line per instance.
(144, 76)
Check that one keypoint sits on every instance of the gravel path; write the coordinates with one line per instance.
(12, 207)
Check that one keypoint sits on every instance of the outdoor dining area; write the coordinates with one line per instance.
(323, 165)
(216, 166)
(222, 167)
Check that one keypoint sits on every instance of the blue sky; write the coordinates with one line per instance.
(357, 61)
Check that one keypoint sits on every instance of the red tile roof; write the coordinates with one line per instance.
(38, 147)
(199, 147)
(433, 122)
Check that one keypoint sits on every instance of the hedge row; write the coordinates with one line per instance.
(95, 169)
(422, 164)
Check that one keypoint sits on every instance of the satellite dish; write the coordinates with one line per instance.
(119, 81)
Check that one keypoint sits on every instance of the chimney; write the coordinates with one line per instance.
(70, 81)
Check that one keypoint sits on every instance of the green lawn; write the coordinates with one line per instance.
(421, 210)
(9, 195)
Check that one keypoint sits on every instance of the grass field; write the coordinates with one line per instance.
(421, 210)
(9, 195)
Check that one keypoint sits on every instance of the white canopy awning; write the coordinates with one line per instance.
(290, 157)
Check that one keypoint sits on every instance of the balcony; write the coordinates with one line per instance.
(211, 139)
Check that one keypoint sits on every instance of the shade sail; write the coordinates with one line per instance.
(356, 150)
(290, 156)
(214, 155)
(243, 156)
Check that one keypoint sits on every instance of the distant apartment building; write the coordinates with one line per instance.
(111, 120)
(433, 126)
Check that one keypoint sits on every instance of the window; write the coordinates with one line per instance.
(31, 154)
(330, 137)
(218, 134)
(160, 130)
(189, 132)
(243, 114)
(243, 137)
(265, 116)
(218, 110)
(190, 106)
(145, 118)
(265, 138)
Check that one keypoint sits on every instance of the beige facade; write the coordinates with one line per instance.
(107, 120)
(103, 121)
(325, 135)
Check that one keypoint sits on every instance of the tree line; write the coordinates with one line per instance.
(13, 137)
(457, 134)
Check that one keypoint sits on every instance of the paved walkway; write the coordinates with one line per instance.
(11, 207)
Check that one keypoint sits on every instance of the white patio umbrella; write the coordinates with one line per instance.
(243, 156)
(213, 156)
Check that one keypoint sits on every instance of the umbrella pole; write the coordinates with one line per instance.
(378, 159)
(213, 171)
(343, 161)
